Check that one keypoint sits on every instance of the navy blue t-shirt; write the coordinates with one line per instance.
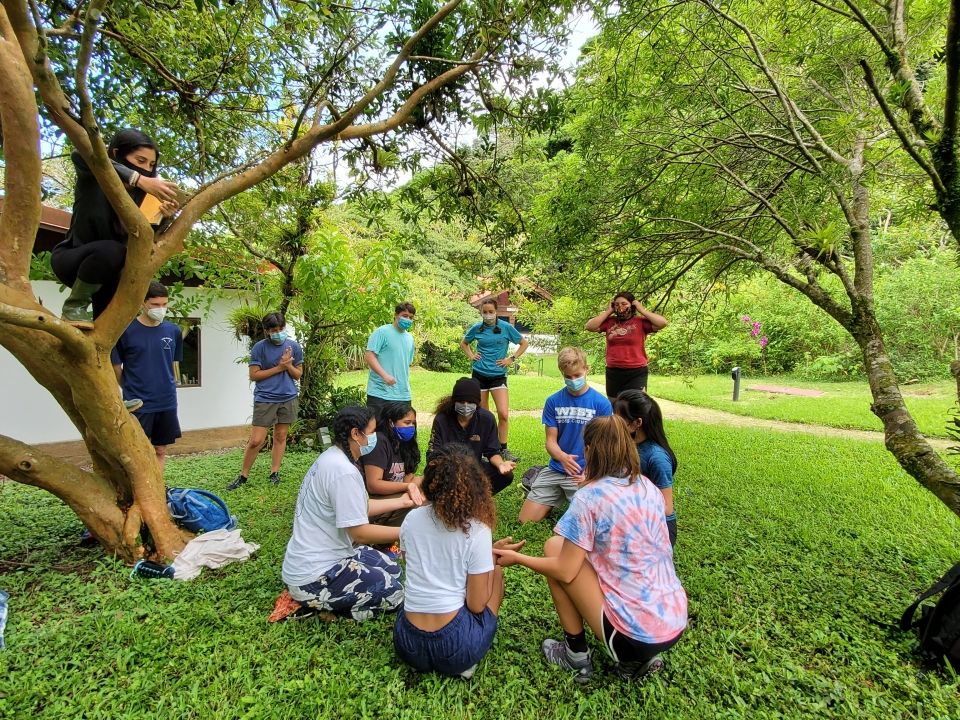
(281, 387)
(655, 464)
(147, 355)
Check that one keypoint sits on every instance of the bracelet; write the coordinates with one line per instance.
(513, 357)
(134, 179)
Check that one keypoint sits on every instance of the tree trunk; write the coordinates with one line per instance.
(125, 493)
(902, 437)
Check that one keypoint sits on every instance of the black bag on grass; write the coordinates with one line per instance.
(938, 625)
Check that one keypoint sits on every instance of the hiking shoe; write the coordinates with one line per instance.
(557, 653)
(468, 673)
(241, 480)
(636, 671)
(275, 478)
(508, 456)
(132, 405)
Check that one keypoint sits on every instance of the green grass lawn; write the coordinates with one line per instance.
(845, 404)
(789, 547)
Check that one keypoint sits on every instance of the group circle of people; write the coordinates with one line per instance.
(609, 564)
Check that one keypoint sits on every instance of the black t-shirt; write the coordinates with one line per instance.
(383, 457)
(480, 434)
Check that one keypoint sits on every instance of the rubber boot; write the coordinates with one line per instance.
(75, 307)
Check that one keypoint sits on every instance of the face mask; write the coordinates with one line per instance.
(489, 318)
(277, 338)
(371, 444)
(465, 409)
(406, 434)
(575, 384)
(157, 314)
(405, 323)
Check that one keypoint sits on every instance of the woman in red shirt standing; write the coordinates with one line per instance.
(626, 324)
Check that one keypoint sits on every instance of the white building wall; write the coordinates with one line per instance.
(225, 397)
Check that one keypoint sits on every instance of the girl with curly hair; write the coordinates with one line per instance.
(453, 588)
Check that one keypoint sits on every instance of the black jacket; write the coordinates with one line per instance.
(480, 434)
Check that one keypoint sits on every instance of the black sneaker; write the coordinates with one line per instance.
(637, 672)
(275, 478)
(241, 480)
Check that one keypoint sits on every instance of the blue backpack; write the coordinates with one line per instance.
(199, 510)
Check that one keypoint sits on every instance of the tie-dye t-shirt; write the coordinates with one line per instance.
(623, 529)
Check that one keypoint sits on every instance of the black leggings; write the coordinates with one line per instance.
(498, 481)
(626, 649)
(99, 263)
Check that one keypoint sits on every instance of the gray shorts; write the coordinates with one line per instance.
(552, 488)
(270, 414)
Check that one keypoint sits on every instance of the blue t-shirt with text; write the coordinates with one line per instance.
(277, 388)
(394, 351)
(492, 346)
(147, 355)
(569, 414)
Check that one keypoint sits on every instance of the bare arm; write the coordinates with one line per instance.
(563, 567)
(385, 505)
(667, 500)
(479, 590)
(376, 485)
(371, 534)
(465, 346)
(659, 322)
(257, 373)
(594, 323)
(569, 462)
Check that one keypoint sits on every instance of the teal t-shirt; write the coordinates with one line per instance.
(394, 351)
(492, 346)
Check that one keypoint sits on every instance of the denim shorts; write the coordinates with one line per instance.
(458, 645)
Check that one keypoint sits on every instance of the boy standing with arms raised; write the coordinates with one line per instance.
(565, 414)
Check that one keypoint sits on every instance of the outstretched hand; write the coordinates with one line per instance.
(507, 543)
(415, 494)
(505, 558)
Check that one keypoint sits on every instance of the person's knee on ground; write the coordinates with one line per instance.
(532, 511)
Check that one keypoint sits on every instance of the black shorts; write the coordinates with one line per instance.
(490, 383)
(620, 379)
(161, 428)
(625, 649)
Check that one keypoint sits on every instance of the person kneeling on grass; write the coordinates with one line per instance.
(454, 590)
(323, 568)
(610, 563)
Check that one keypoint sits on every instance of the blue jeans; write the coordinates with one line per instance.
(458, 645)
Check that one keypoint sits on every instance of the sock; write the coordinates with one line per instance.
(577, 643)
(503, 446)
(242, 476)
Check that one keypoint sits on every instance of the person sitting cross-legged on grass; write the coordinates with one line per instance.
(610, 563)
(564, 415)
(453, 588)
(329, 565)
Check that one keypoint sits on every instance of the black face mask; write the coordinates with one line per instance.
(144, 173)
(623, 315)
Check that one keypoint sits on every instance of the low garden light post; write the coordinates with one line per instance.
(735, 374)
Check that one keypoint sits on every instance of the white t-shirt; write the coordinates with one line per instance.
(439, 560)
(332, 498)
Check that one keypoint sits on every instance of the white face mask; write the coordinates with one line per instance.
(157, 314)
(489, 318)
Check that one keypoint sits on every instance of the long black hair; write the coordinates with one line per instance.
(350, 417)
(408, 452)
(633, 405)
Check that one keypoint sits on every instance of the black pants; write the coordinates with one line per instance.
(498, 481)
(378, 405)
(99, 263)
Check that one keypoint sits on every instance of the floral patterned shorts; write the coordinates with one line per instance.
(364, 585)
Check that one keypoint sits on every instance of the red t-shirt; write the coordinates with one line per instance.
(625, 341)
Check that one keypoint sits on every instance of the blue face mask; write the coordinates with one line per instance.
(371, 444)
(575, 384)
(277, 338)
(406, 434)
(404, 323)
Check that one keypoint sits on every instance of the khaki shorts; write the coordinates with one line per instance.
(552, 488)
(270, 414)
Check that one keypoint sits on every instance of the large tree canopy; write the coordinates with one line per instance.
(236, 91)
